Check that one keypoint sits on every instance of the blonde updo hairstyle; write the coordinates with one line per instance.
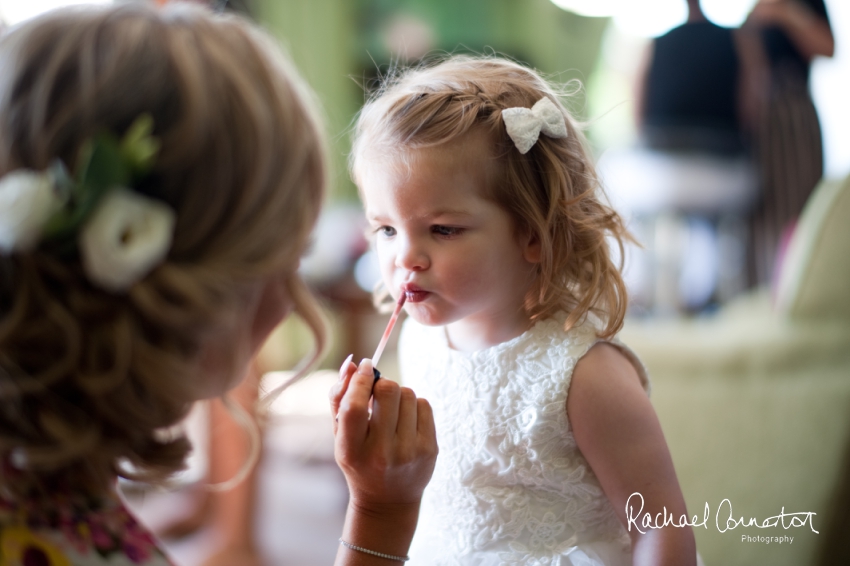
(89, 380)
(552, 192)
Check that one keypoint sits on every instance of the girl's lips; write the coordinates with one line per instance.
(416, 296)
(414, 293)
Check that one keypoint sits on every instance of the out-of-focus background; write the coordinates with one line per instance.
(740, 306)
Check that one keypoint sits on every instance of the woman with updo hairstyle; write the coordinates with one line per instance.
(160, 173)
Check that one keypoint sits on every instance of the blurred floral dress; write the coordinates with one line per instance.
(75, 531)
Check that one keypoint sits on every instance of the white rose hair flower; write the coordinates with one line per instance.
(120, 234)
(126, 236)
(27, 201)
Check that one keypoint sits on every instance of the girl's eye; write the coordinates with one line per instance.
(386, 231)
(447, 231)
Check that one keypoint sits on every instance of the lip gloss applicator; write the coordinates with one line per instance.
(385, 338)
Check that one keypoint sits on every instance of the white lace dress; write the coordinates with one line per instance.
(510, 485)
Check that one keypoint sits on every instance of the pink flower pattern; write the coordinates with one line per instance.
(86, 532)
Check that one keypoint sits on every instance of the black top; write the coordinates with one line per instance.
(692, 85)
(780, 50)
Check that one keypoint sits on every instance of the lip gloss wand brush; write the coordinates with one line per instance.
(383, 343)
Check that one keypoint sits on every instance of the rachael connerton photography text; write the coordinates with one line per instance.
(724, 520)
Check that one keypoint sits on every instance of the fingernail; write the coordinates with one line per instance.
(343, 369)
(365, 367)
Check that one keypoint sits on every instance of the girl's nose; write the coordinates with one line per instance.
(412, 257)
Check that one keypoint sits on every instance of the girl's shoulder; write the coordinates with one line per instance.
(586, 335)
(572, 344)
(75, 531)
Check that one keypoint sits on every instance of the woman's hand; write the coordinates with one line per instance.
(387, 455)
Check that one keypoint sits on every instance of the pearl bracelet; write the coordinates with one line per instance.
(373, 553)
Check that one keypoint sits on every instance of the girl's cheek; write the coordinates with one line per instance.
(387, 270)
(386, 259)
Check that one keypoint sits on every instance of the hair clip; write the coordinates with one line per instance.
(524, 125)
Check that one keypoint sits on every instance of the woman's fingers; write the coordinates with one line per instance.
(387, 456)
(425, 419)
(407, 416)
(385, 406)
(339, 388)
(425, 427)
(353, 409)
(346, 366)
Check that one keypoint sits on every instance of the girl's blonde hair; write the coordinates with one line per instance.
(552, 192)
(89, 381)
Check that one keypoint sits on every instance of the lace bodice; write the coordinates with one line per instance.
(510, 485)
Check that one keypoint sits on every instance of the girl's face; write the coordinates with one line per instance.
(451, 250)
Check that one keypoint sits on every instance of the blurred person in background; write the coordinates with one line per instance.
(789, 147)
(689, 96)
(694, 161)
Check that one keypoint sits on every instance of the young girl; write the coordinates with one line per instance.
(488, 216)
(160, 171)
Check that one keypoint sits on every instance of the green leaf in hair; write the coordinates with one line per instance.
(138, 146)
(103, 164)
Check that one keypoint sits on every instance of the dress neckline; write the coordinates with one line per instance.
(496, 349)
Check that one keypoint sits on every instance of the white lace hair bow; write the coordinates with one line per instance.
(524, 125)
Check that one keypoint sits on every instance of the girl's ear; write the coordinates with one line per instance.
(531, 247)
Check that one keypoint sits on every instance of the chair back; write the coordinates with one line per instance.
(814, 281)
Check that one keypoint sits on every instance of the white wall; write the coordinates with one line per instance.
(831, 91)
